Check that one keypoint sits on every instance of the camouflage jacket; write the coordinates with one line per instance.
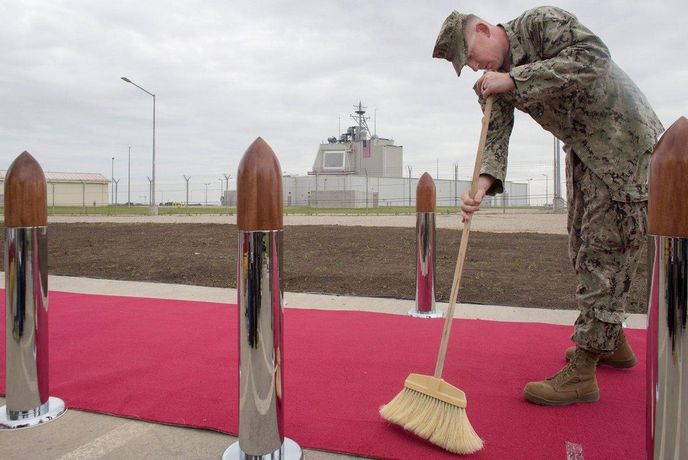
(567, 82)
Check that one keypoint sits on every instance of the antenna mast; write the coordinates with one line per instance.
(361, 119)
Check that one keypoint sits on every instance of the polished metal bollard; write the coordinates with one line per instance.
(261, 390)
(667, 337)
(26, 298)
(425, 249)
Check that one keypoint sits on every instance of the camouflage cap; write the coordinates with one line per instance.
(450, 44)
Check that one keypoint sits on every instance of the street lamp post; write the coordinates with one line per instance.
(409, 183)
(546, 189)
(153, 207)
(456, 184)
(366, 174)
(112, 181)
(225, 194)
(129, 180)
(528, 192)
(556, 179)
(187, 191)
(116, 181)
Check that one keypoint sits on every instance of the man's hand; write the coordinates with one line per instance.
(493, 83)
(469, 204)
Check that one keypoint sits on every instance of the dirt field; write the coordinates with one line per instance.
(519, 269)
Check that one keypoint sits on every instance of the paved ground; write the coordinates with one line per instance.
(83, 435)
(485, 221)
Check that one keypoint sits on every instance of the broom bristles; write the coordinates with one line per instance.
(441, 423)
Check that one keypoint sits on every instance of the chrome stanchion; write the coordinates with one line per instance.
(26, 299)
(260, 300)
(667, 337)
(425, 249)
(667, 359)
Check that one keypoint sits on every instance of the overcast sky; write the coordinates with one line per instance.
(225, 72)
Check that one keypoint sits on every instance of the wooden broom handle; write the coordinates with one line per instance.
(464, 242)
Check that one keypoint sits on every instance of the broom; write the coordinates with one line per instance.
(428, 406)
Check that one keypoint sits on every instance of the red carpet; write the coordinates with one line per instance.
(174, 362)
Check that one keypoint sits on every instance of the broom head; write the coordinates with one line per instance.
(434, 410)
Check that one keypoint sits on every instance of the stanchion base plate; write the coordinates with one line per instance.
(289, 451)
(420, 314)
(56, 407)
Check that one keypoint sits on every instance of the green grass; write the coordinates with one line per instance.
(379, 211)
(122, 210)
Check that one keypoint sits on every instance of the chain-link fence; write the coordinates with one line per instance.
(309, 194)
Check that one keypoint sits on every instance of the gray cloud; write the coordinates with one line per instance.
(227, 72)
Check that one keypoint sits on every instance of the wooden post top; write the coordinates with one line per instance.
(668, 183)
(259, 189)
(26, 193)
(426, 195)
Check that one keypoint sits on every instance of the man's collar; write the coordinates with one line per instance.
(518, 54)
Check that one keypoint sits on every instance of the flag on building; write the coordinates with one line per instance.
(365, 148)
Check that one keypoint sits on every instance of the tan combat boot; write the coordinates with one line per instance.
(621, 358)
(574, 383)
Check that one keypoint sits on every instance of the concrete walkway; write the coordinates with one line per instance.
(490, 220)
(84, 435)
(317, 301)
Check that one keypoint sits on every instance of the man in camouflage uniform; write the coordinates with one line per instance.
(547, 64)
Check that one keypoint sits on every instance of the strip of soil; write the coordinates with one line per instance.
(517, 269)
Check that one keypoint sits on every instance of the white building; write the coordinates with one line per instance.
(360, 169)
(376, 156)
(352, 191)
(71, 189)
(358, 152)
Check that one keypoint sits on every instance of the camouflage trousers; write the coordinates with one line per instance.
(605, 240)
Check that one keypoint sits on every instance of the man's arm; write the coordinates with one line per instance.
(471, 204)
(497, 142)
(572, 56)
(494, 83)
